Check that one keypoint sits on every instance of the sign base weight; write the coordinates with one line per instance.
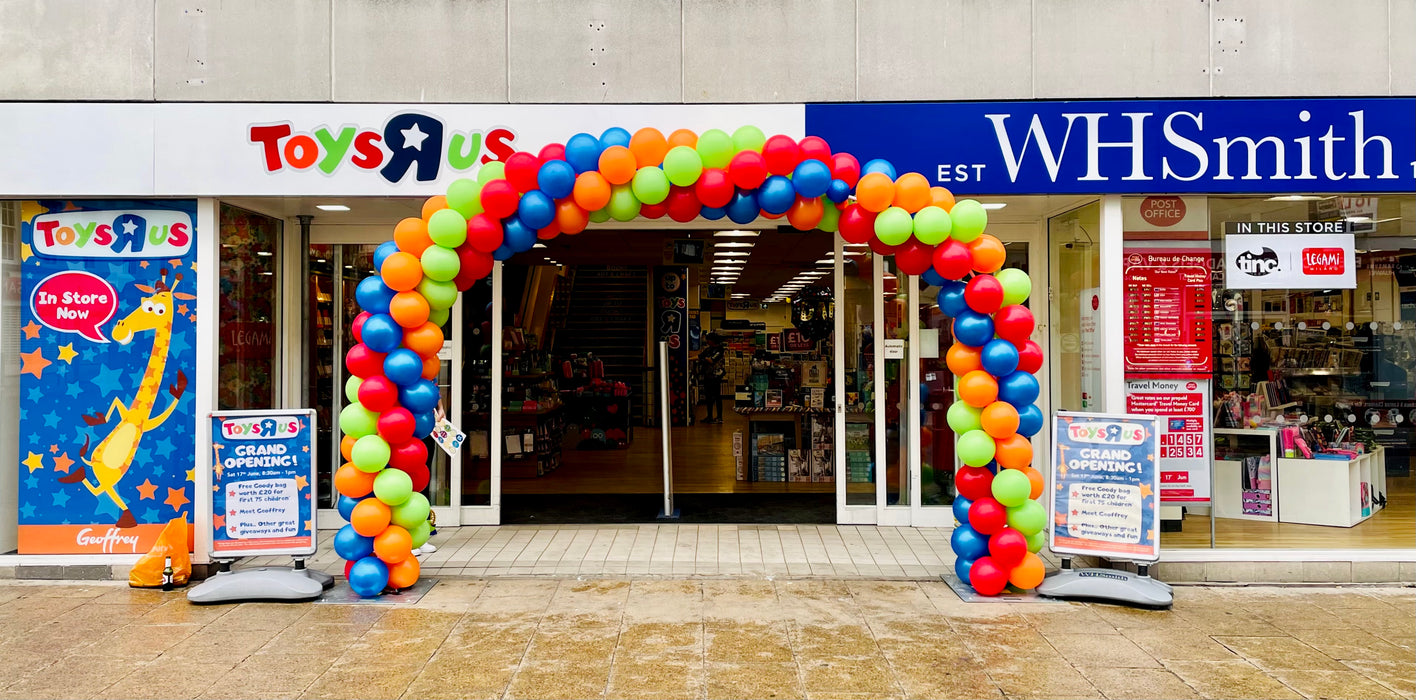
(1110, 585)
(967, 594)
(266, 583)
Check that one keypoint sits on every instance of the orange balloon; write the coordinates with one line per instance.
(1000, 420)
(765, 215)
(370, 517)
(941, 197)
(404, 574)
(1035, 477)
(549, 232)
(426, 340)
(435, 204)
(408, 309)
(988, 254)
(592, 191)
(683, 137)
(648, 146)
(350, 481)
(875, 192)
(617, 165)
(393, 545)
(1013, 452)
(346, 446)
(978, 389)
(912, 192)
(571, 217)
(805, 214)
(432, 367)
(1028, 573)
(411, 236)
(962, 359)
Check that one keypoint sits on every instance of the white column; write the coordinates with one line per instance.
(1112, 331)
(208, 292)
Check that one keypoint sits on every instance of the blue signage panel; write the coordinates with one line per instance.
(1136, 146)
(263, 483)
(1106, 488)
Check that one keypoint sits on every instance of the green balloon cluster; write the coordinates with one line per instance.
(358, 421)
(650, 184)
(393, 486)
(963, 418)
(749, 138)
(1029, 518)
(600, 216)
(421, 533)
(465, 195)
(1037, 541)
(970, 219)
(439, 316)
(495, 170)
(932, 225)
(1017, 286)
(683, 165)
(440, 264)
(1011, 487)
(447, 228)
(715, 148)
(893, 226)
(370, 454)
(351, 390)
(830, 218)
(975, 448)
(412, 512)
(624, 206)
(440, 295)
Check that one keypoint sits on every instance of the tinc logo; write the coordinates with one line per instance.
(1257, 264)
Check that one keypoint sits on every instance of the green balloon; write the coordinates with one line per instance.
(465, 195)
(715, 147)
(932, 225)
(893, 226)
(351, 390)
(748, 138)
(393, 486)
(651, 185)
(440, 264)
(1029, 518)
(411, 512)
(370, 453)
(623, 205)
(683, 165)
(1037, 541)
(975, 448)
(1016, 285)
(439, 316)
(495, 170)
(358, 421)
(964, 418)
(970, 219)
(600, 216)
(421, 534)
(1011, 487)
(440, 295)
(447, 228)
(830, 216)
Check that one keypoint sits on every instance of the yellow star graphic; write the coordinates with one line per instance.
(143, 264)
(1150, 534)
(67, 353)
(194, 267)
(310, 525)
(301, 482)
(25, 252)
(1146, 490)
(191, 475)
(34, 461)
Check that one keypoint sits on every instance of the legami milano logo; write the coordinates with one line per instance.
(407, 141)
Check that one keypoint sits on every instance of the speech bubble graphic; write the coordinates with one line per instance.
(75, 302)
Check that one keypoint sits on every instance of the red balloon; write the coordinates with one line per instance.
(396, 426)
(499, 199)
(987, 577)
(1013, 323)
(420, 475)
(654, 211)
(550, 152)
(987, 515)
(1029, 357)
(952, 260)
(748, 169)
(683, 204)
(408, 455)
(473, 265)
(1008, 546)
(857, 225)
(484, 233)
(358, 326)
(881, 248)
(845, 167)
(914, 257)
(347, 566)
(782, 154)
(984, 294)
(363, 362)
(714, 188)
(815, 148)
(521, 171)
(378, 394)
(974, 483)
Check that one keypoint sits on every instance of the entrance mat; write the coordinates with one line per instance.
(693, 508)
(341, 594)
(967, 594)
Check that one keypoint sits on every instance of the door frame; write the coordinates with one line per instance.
(474, 514)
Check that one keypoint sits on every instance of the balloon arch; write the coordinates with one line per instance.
(715, 175)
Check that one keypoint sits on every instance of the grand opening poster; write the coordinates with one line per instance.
(107, 356)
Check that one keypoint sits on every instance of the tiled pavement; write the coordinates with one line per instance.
(703, 638)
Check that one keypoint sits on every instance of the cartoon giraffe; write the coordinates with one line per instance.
(115, 453)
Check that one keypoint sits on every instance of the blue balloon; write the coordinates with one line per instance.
(992, 466)
(614, 136)
(368, 577)
(382, 252)
(536, 210)
(403, 367)
(961, 509)
(352, 546)
(1029, 421)
(972, 327)
(381, 333)
(1000, 357)
(346, 506)
(879, 165)
(556, 178)
(1019, 389)
(932, 278)
(713, 213)
(967, 542)
(582, 151)
(951, 298)
(838, 191)
(743, 208)
(504, 252)
(373, 295)
(517, 235)
(811, 178)
(423, 424)
(420, 396)
(776, 195)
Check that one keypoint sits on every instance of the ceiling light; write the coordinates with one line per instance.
(741, 296)
(539, 245)
(733, 244)
(731, 253)
(994, 205)
(1294, 198)
(264, 253)
(331, 207)
(826, 261)
(730, 261)
(857, 245)
(737, 234)
(320, 260)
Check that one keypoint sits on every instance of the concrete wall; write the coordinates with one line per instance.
(672, 51)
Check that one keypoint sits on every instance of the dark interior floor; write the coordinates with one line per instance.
(724, 508)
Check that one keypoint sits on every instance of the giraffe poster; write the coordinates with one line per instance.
(107, 353)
